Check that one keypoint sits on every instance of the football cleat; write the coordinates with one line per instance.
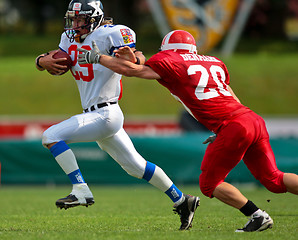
(73, 201)
(186, 211)
(257, 222)
(79, 196)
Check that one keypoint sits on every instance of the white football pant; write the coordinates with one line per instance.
(105, 126)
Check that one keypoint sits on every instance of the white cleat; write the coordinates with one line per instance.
(257, 222)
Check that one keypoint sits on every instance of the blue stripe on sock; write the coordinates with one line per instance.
(174, 193)
(59, 148)
(149, 171)
(76, 177)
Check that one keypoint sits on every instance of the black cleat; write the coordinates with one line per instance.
(186, 211)
(72, 201)
(257, 222)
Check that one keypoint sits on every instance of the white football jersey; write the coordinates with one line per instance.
(97, 83)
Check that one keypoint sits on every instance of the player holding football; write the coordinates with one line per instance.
(201, 84)
(102, 119)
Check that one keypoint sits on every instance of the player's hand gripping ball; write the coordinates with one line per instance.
(67, 62)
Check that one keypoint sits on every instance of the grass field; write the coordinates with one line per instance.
(135, 212)
(267, 83)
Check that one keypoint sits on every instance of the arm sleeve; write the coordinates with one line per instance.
(160, 64)
(63, 42)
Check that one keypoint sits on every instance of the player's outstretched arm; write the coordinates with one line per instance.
(128, 68)
(118, 65)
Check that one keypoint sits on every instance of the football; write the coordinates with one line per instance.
(67, 62)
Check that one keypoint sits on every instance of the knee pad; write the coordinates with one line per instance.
(275, 183)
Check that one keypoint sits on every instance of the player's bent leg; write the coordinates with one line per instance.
(121, 149)
(230, 195)
(260, 161)
(81, 194)
(258, 220)
(82, 127)
(221, 156)
(185, 205)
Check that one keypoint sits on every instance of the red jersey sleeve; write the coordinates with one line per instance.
(160, 64)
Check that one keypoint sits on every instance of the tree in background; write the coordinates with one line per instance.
(36, 16)
(267, 20)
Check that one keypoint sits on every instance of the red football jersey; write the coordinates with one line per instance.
(200, 84)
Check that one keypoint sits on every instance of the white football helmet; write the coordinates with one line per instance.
(179, 40)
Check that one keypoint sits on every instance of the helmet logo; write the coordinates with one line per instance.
(96, 6)
(77, 6)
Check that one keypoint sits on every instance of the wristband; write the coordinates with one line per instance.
(138, 61)
(37, 61)
(38, 58)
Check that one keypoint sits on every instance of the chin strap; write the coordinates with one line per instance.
(80, 38)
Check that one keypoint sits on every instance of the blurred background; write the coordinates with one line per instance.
(257, 40)
(267, 21)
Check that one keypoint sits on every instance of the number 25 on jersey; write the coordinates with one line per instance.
(78, 75)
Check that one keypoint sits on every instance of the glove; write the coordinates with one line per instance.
(91, 56)
(210, 139)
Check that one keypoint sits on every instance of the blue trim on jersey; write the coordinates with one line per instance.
(149, 171)
(62, 49)
(76, 177)
(109, 26)
(58, 148)
(174, 193)
(111, 52)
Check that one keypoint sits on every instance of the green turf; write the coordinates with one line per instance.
(135, 212)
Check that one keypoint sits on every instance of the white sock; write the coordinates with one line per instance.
(160, 180)
(67, 161)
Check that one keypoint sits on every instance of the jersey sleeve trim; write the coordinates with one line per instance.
(111, 52)
(62, 49)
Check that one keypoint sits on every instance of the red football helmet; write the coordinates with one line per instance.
(179, 40)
